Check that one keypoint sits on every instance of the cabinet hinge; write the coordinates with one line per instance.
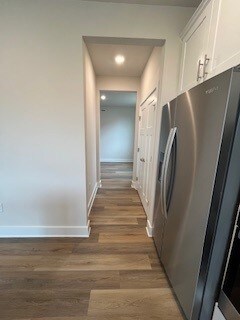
(138, 149)
(139, 118)
(136, 178)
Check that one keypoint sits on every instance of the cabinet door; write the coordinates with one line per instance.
(226, 39)
(194, 47)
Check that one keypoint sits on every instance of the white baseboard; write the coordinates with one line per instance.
(134, 185)
(45, 231)
(93, 195)
(149, 229)
(116, 160)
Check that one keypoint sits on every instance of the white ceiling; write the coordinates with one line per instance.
(118, 99)
(179, 3)
(103, 55)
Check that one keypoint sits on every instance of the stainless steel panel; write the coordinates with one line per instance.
(227, 308)
(229, 296)
(167, 121)
(200, 117)
(223, 209)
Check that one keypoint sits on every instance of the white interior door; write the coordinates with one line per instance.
(142, 146)
(146, 133)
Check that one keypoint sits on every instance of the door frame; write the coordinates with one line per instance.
(153, 154)
(108, 87)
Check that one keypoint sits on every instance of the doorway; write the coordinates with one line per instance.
(122, 66)
(147, 125)
(117, 134)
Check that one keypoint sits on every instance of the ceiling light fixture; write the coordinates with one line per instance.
(119, 59)
(103, 97)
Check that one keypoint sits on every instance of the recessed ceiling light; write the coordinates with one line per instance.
(119, 59)
(103, 97)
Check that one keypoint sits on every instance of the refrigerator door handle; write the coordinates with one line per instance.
(166, 160)
(163, 168)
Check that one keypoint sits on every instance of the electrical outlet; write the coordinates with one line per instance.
(1, 208)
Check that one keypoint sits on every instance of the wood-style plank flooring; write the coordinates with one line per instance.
(114, 274)
(116, 175)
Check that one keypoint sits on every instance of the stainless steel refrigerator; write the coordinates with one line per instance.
(167, 123)
(191, 187)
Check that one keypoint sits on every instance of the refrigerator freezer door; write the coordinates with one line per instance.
(200, 117)
(167, 122)
(168, 171)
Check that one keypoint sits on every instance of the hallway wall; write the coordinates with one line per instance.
(42, 121)
(117, 134)
(152, 73)
(90, 127)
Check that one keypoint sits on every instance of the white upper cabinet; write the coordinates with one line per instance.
(195, 45)
(211, 42)
(225, 36)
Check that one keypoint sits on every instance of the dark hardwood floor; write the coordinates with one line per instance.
(114, 274)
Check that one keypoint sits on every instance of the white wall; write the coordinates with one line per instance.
(42, 159)
(118, 83)
(90, 127)
(117, 134)
(152, 72)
